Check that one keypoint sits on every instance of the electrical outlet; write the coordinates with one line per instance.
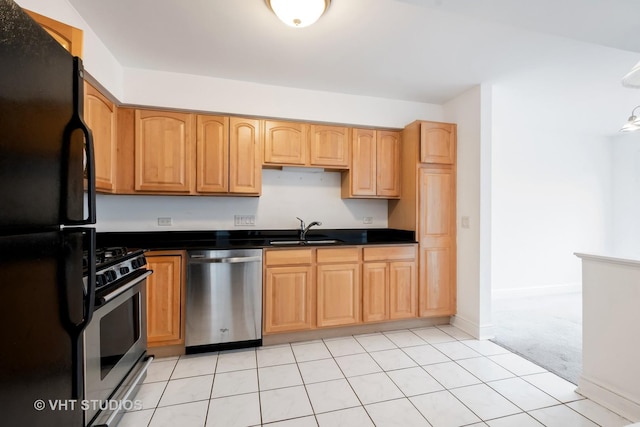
(367, 220)
(244, 220)
(164, 221)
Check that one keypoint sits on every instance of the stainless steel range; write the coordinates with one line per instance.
(115, 341)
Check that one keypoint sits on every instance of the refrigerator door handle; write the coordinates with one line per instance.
(75, 241)
(69, 183)
(90, 296)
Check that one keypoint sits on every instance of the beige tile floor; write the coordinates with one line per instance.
(436, 376)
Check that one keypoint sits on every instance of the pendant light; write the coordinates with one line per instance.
(632, 79)
(633, 123)
(298, 13)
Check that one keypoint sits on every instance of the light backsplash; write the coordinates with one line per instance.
(312, 196)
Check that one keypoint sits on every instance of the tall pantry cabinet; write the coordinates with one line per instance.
(428, 206)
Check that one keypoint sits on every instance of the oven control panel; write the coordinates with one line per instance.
(117, 265)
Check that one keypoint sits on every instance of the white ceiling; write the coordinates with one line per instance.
(417, 50)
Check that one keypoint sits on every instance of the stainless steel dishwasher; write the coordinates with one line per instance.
(224, 299)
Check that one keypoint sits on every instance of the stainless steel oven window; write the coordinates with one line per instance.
(119, 331)
(97, 385)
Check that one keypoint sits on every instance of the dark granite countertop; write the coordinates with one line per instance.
(224, 239)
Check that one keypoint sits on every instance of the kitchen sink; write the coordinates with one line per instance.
(304, 242)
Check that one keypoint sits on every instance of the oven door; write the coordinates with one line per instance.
(115, 345)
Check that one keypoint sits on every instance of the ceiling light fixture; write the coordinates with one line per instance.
(298, 13)
(633, 123)
(632, 79)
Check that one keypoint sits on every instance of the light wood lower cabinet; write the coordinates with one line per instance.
(338, 285)
(165, 298)
(288, 290)
(313, 288)
(389, 286)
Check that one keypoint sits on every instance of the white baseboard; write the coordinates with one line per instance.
(534, 291)
(616, 402)
(481, 332)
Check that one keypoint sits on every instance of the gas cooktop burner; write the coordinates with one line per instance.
(115, 263)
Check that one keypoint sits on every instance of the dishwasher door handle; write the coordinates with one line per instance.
(224, 260)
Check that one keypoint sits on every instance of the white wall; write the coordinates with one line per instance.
(157, 88)
(285, 195)
(626, 195)
(551, 191)
(471, 111)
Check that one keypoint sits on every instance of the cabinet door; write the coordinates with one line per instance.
(338, 294)
(69, 37)
(363, 163)
(163, 151)
(329, 146)
(212, 154)
(437, 242)
(164, 300)
(375, 291)
(288, 299)
(437, 143)
(245, 168)
(285, 143)
(100, 117)
(388, 164)
(403, 291)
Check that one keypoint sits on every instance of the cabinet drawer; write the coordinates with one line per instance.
(338, 255)
(387, 253)
(288, 257)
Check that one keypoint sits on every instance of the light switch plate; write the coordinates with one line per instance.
(367, 220)
(464, 221)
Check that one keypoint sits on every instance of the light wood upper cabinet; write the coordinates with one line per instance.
(388, 164)
(212, 154)
(375, 165)
(164, 150)
(437, 143)
(437, 241)
(69, 37)
(363, 164)
(329, 146)
(165, 298)
(285, 143)
(302, 144)
(245, 166)
(100, 117)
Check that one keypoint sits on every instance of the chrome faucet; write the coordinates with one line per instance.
(304, 230)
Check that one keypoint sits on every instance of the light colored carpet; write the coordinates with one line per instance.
(546, 330)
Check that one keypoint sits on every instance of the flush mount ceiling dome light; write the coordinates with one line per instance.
(633, 123)
(298, 13)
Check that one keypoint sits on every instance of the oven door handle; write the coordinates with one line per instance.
(224, 260)
(125, 288)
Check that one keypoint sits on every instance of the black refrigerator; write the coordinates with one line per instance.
(47, 203)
